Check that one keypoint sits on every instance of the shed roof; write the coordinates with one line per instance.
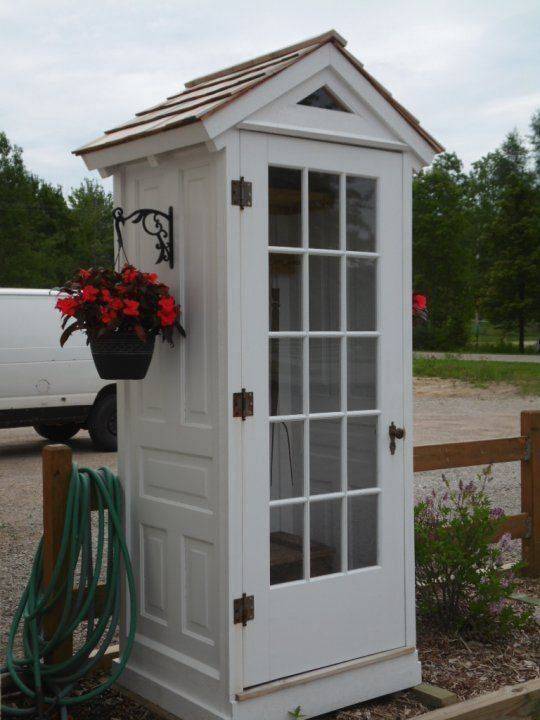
(204, 96)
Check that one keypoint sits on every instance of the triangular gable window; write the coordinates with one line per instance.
(323, 98)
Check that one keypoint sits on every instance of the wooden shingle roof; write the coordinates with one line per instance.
(206, 95)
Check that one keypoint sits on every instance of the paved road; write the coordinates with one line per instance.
(528, 358)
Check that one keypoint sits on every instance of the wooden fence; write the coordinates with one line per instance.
(525, 448)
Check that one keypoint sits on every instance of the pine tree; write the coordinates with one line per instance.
(443, 253)
(509, 231)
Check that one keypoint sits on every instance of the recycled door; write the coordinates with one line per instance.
(322, 352)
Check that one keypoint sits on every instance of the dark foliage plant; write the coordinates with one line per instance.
(461, 585)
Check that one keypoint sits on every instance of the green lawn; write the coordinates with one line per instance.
(525, 376)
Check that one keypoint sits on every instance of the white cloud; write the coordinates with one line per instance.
(69, 70)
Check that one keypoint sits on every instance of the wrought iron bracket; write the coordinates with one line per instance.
(161, 229)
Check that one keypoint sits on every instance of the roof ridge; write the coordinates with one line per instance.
(328, 36)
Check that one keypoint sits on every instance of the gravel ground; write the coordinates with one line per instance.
(445, 411)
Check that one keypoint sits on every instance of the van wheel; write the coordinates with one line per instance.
(102, 423)
(57, 433)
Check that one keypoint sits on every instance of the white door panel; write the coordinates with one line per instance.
(322, 346)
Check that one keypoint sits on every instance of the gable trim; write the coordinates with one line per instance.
(335, 136)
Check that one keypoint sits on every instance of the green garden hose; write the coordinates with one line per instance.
(49, 686)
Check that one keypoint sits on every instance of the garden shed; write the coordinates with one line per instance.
(267, 458)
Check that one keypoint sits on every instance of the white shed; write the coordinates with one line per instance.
(268, 503)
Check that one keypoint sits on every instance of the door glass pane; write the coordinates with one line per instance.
(324, 374)
(324, 294)
(286, 543)
(361, 373)
(361, 204)
(362, 452)
(285, 376)
(362, 530)
(284, 207)
(323, 210)
(285, 288)
(325, 537)
(286, 459)
(361, 295)
(324, 456)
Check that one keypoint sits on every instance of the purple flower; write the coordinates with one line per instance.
(505, 542)
(496, 608)
(496, 513)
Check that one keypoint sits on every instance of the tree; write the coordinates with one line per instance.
(42, 239)
(34, 222)
(443, 253)
(91, 225)
(507, 191)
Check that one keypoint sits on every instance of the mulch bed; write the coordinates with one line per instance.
(465, 667)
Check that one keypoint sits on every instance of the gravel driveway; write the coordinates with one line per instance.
(445, 411)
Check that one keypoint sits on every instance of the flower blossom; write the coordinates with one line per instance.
(89, 293)
(67, 306)
(131, 308)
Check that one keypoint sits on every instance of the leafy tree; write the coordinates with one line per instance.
(507, 197)
(443, 253)
(34, 217)
(91, 225)
(43, 240)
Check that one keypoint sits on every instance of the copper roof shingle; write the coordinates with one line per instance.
(206, 95)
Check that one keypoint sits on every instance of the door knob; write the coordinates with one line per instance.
(395, 433)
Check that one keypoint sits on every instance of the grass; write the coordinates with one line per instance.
(525, 376)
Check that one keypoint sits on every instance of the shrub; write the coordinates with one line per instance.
(460, 583)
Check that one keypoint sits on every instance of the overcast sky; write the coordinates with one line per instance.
(470, 70)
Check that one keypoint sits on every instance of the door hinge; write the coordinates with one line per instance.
(241, 193)
(244, 609)
(242, 404)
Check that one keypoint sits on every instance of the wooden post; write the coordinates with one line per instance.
(56, 476)
(530, 491)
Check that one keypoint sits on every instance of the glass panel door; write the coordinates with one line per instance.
(322, 532)
(322, 260)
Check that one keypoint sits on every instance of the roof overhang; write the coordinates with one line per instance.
(138, 141)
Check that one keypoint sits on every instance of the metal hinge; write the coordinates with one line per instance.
(241, 193)
(528, 529)
(528, 450)
(242, 404)
(244, 609)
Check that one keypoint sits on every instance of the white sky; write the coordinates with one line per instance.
(470, 70)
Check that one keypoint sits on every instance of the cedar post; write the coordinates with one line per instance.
(56, 477)
(530, 491)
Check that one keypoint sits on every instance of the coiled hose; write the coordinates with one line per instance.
(48, 686)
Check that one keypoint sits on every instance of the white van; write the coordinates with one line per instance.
(56, 390)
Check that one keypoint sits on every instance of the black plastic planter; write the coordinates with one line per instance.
(122, 356)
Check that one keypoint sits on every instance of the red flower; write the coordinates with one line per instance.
(131, 308)
(89, 293)
(107, 316)
(151, 278)
(419, 301)
(116, 303)
(106, 295)
(85, 274)
(67, 306)
(129, 274)
(168, 311)
(167, 303)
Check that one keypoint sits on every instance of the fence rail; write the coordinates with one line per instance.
(526, 449)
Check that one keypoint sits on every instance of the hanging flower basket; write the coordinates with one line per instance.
(121, 313)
